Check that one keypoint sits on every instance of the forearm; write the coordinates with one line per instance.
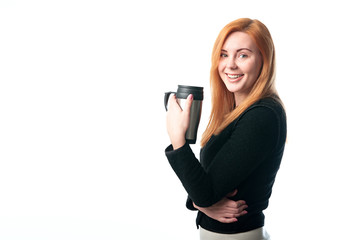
(192, 175)
(251, 141)
(226, 210)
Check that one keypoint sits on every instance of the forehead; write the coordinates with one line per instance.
(237, 40)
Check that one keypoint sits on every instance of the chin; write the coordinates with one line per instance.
(233, 89)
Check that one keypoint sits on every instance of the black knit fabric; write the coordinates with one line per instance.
(246, 156)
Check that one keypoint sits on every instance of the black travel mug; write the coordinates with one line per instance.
(196, 108)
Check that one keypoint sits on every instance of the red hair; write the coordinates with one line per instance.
(223, 103)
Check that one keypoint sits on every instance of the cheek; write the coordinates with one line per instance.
(220, 66)
(258, 66)
(252, 67)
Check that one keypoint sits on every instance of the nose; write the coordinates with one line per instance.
(231, 63)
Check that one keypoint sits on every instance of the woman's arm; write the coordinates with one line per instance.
(226, 210)
(178, 121)
(253, 138)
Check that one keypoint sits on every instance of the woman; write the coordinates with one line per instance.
(243, 144)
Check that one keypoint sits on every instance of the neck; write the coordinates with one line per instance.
(239, 98)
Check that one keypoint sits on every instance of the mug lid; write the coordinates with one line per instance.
(183, 91)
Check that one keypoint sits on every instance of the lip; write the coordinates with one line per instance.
(234, 79)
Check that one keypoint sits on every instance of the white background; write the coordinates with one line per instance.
(82, 122)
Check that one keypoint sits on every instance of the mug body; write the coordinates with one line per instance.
(182, 93)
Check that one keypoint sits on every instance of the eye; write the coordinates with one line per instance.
(243, 56)
(223, 55)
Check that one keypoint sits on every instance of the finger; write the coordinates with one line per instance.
(231, 215)
(233, 204)
(236, 209)
(172, 98)
(173, 102)
(235, 215)
(243, 213)
(241, 203)
(227, 220)
(242, 208)
(231, 194)
(240, 214)
(188, 104)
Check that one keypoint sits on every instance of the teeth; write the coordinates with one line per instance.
(234, 76)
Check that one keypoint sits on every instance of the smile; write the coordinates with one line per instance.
(234, 76)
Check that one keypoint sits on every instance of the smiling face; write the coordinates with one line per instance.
(239, 65)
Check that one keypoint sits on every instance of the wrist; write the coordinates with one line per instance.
(178, 143)
(195, 206)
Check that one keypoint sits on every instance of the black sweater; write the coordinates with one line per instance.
(246, 156)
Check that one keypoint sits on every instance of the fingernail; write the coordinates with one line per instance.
(191, 96)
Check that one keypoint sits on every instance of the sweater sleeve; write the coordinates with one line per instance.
(253, 138)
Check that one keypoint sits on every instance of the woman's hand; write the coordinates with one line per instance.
(226, 210)
(178, 120)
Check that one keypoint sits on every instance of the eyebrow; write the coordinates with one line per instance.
(238, 50)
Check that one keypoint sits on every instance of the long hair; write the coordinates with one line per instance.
(223, 110)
